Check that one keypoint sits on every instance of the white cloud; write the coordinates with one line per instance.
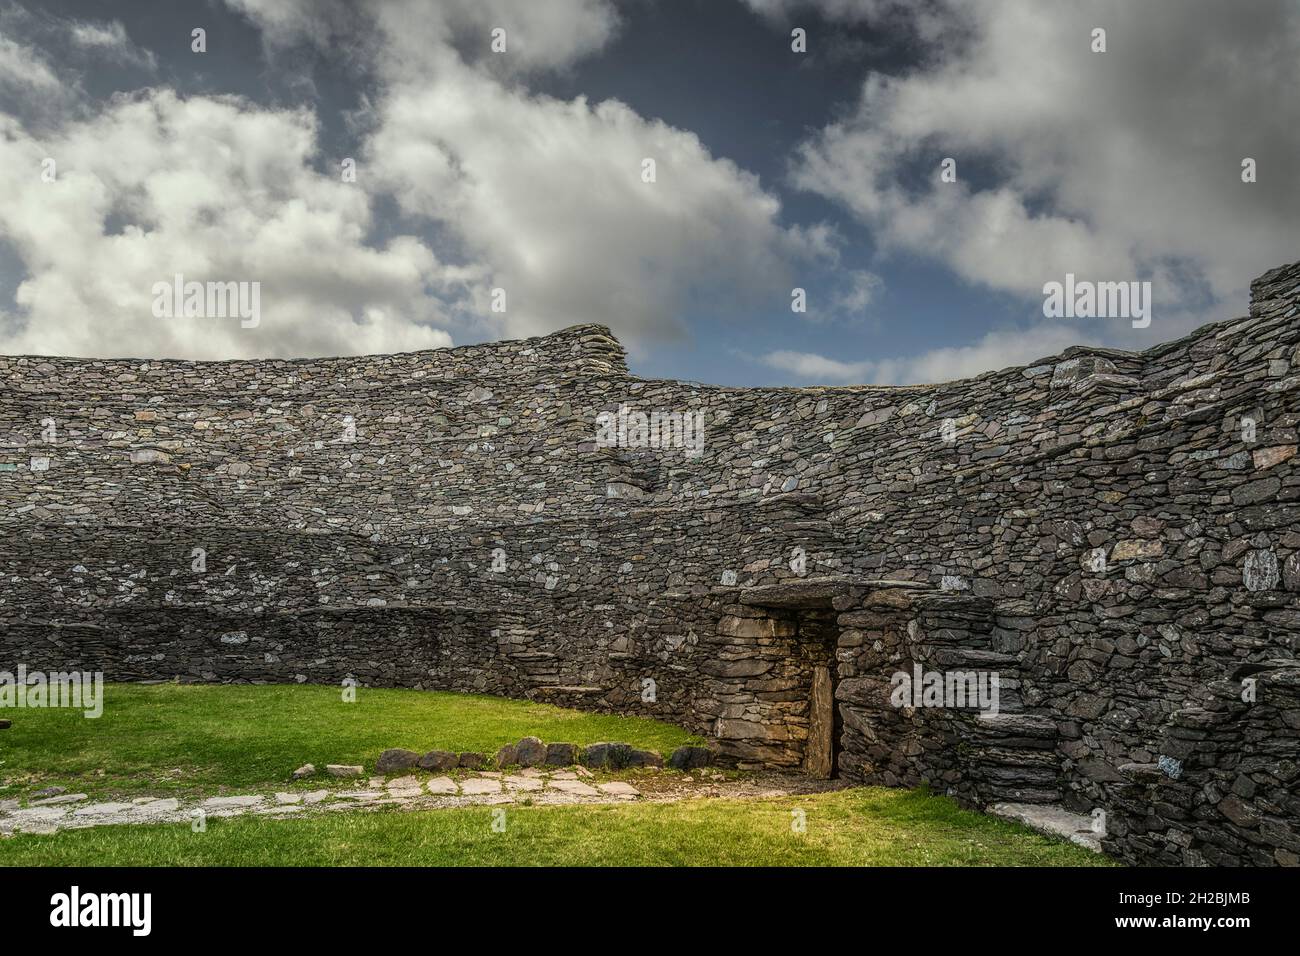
(110, 40)
(1108, 165)
(810, 368)
(539, 196)
(547, 195)
(997, 349)
(216, 190)
(403, 38)
(23, 68)
(861, 290)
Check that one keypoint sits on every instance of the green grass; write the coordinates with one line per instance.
(860, 827)
(208, 738)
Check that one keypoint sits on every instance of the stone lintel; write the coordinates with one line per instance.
(807, 593)
(817, 592)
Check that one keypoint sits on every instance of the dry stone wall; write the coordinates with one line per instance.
(1115, 533)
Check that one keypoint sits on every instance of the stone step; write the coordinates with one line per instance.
(1008, 776)
(992, 756)
(1018, 725)
(970, 658)
(1010, 794)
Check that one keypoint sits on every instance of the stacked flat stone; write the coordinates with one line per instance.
(1125, 522)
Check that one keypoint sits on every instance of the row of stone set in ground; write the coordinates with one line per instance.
(528, 752)
(544, 777)
(532, 785)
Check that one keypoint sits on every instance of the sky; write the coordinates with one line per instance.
(501, 189)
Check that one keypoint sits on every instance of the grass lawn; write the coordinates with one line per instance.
(206, 738)
(861, 827)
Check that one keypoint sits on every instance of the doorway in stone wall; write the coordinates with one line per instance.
(804, 609)
(817, 633)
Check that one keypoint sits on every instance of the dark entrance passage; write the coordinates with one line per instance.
(808, 604)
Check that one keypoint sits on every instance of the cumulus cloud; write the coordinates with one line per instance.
(402, 38)
(506, 189)
(216, 190)
(1109, 165)
(1114, 165)
(548, 195)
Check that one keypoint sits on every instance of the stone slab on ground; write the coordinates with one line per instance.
(102, 809)
(618, 788)
(225, 803)
(60, 799)
(1052, 820)
(478, 786)
(575, 788)
(442, 786)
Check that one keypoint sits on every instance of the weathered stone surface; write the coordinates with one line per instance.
(472, 761)
(507, 756)
(530, 752)
(817, 761)
(306, 770)
(58, 800)
(1268, 457)
(689, 758)
(442, 786)
(344, 770)
(221, 803)
(806, 593)
(575, 788)
(1137, 550)
(620, 789)
(561, 755)
(439, 760)
(613, 756)
(478, 786)
(1259, 572)
(643, 758)
(395, 759)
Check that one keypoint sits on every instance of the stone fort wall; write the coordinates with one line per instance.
(1115, 533)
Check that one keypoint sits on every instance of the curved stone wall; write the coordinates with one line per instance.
(1115, 532)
